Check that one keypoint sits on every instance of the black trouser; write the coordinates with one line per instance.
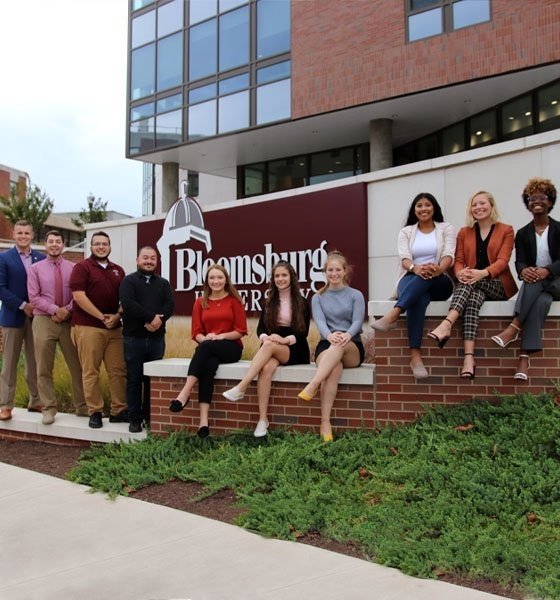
(206, 360)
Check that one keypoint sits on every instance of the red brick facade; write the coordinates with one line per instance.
(399, 397)
(6, 228)
(366, 58)
(353, 408)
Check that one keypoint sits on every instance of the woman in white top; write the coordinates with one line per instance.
(426, 250)
(537, 261)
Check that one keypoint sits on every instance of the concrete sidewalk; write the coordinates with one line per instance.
(60, 542)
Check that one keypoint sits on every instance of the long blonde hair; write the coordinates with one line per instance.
(228, 288)
(336, 255)
(495, 215)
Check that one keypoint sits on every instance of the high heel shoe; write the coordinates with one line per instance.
(498, 340)
(327, 437)
(177, 406)
(469, 374)
(440, 341)
(303, 395)
(521, 375)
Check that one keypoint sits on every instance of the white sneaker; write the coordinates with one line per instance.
(261, 428)
(234, 394)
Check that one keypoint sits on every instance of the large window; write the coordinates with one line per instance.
(519, 117)
(426, 18)
(297, 171)
(156, 124)
(229, 60)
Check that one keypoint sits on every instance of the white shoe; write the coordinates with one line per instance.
(261, 428)
(234, 394)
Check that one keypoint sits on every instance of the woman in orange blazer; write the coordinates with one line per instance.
(481, 267)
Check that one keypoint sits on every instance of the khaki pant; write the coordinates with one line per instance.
(14, 338)
(96, 346)
(46, 335)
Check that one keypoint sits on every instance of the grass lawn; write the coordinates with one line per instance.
(472, 490)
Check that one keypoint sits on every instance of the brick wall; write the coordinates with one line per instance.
(349, 53)
(399, 397)
(353, 408)
(14, 435)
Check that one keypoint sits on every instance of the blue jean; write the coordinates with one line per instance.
(137, 351)
(413, 296)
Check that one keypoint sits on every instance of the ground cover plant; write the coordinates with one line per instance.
(471, 490)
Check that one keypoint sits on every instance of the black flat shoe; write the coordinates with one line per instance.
(203, 432)
(177, 406)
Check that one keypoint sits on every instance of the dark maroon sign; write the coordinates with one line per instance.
(248, 239)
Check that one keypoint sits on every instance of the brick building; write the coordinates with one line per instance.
(248, 97)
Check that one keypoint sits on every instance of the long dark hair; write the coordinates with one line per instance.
(272, 303)
(412, 219)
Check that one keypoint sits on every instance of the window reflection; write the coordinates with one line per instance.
(549, 107)
(202, 51)
(136, 4)
(287, 173)
(334, 164)
(142, 136)
(254, 179)
(274, 72)
(234, 84)
(199, 10)
(517, 118)
(274, 102)
(453, 139)
(233, 112)
(234, 39)
(273, 27)
(202, 120)
(425, 24)
(143, 29)
(142, 111)
(470, 12)
(204, 92)
(482, 129)
(170, 18)
(169, 128)
(169, 103)
(170, 62)
(142, 72)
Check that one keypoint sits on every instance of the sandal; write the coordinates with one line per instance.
(440, 341)
(521, 375)
(498, 340)
(469, 374)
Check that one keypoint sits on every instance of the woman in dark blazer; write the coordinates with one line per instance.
(481, 267)
(537, 261)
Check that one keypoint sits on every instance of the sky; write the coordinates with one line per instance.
(63, 100)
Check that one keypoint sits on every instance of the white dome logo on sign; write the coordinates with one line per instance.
(183, 222)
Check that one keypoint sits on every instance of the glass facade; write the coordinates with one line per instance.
(524, 115)
(227, 61)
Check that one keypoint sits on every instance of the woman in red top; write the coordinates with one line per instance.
(218, 324)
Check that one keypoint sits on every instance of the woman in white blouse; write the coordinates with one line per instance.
(426, 248)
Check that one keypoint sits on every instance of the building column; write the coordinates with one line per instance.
(170, 185)
(380, 144)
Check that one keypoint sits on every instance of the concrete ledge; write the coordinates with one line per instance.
(501, 309)
(69, 427)
(178, 367)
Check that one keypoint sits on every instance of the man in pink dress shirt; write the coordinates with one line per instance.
(47, 284)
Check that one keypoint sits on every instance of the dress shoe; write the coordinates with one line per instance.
(5, 414)
(48, 417)
(305, 396)
(96, 420)
(135, 427)
(122, 417)
(383, 325)
(469, 374)
(35, 408)
(203, 432)
(177, 406)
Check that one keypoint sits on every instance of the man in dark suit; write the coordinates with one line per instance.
(15, 319)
